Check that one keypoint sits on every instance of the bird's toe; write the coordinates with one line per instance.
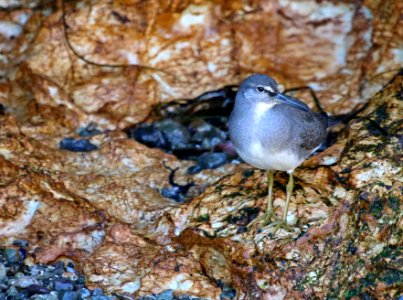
(281, 224)
(263, 220)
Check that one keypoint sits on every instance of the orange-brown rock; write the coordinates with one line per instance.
(63, 67)
(114, 60)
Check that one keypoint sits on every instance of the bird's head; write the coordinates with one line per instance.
(260, 88)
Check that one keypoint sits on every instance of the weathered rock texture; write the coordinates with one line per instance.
(189, 47)
(104, 208)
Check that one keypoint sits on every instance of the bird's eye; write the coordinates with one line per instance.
(260, 89)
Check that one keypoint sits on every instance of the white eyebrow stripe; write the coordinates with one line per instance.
(269, 89)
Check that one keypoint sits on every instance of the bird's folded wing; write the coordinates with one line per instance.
(312, 130)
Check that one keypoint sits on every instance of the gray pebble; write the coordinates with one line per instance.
(69, 295)
(3, 286)
(24, 282)
(12, 293)
(102, 298)
(71, 270)
(165, 295)
(208, 135)
(38, 289)
(84, 294)
(3, 272)
(177, 134)
(194, 169)
(42, 282)
(228, 293)
(212, 160)
(97, 292)
(125, 297)
(148, 297)
(12, 255)
(63, 285)
(19, 275)
(51, 296)
(21, 243)
(41, 272)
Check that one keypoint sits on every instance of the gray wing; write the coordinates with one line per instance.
(314, 132)
(309, 128)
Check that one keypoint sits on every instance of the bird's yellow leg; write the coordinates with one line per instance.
(283, 223)
(269, 214)
(290, 188)
(269, 211)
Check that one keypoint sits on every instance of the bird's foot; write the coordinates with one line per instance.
(281, 224)
(273, 231)
(264, 219)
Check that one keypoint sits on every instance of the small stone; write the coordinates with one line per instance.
(19, 275)
(25, 282)
(125, 297)
(81, 280)
(69, 295)
(207, 135)
(21, 243)
(102, 298)
(23, 253)
(242, 229)
(57, 273)
(84, 294)
(38, 289)
(177, 134)
(165, 295)
(12, 293)
(97, 292)
(51, 296)
(3, 271)
(59, 264)
(199, 125)
(41, 272)
(63, 285)
(213, 139)
(212, 160)
(194, 169)
(148, 297)
(77, 145)
(12, 255)
(228, 292)
(3, 286)
(71, 270)
(150, 136)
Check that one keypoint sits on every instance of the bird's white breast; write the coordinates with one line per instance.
(259, 157)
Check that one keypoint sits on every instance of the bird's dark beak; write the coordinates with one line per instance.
(291, 101)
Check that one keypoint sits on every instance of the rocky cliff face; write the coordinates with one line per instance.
(109, 63)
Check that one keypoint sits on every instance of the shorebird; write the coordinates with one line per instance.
(273, 131)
